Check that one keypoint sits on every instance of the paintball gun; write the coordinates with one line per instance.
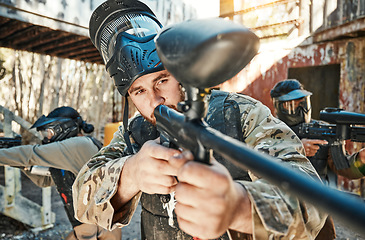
(341, 127)
(202, 54)
(6, 142)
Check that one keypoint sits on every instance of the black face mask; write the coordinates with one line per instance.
(60, 131)
(292, 119)
(128, 48)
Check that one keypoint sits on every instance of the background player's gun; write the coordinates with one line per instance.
(202, 54)
(6, 142)
(341, 127)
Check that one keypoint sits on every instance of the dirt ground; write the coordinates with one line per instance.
(12, 229)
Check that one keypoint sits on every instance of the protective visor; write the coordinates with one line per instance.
(48, 133)
(292, 107)
(139, 25)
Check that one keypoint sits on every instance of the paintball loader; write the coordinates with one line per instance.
(204, 53)
(341, 127)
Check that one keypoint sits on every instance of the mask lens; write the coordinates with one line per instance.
(51, 132)
(48, 133)
(305, 104)
(293, 106)
(289, 107)
(136, 24)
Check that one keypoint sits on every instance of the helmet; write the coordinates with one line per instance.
(61, 123)
(123, 31)
(292, 102)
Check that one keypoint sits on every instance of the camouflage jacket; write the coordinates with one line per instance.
(276, 214)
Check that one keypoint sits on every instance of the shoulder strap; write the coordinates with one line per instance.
(97, 143)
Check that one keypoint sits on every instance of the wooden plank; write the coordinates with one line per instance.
(26, 211)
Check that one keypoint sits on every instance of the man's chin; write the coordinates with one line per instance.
(151, 120)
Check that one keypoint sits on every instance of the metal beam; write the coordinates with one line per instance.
(345, 30)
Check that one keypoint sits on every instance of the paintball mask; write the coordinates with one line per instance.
(123, 32)
(292, 102)
(58, 126)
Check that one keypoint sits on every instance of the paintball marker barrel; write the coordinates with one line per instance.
(344, 123)
(339, 116)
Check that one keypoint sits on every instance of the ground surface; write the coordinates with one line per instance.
(12, 229)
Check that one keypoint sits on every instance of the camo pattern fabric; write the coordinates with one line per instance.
(276, 214)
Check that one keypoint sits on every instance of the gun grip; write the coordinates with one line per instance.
(338, 155)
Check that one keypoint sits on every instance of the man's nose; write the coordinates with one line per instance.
(157, 99)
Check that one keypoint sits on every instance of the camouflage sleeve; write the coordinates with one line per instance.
(97, 183)
(356, 169)
(357, 165)
(276, 214)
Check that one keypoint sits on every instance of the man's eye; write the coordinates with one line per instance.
(139, 92)
(162, 81)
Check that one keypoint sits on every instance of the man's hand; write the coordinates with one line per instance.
(209, 202)
(148, 171)
(151, 169)
(311, 146)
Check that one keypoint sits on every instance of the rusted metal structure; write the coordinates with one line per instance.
(56, 28)
(13, 204)
(321, 43)
(60, 28)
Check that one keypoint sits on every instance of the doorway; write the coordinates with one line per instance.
(323, 82)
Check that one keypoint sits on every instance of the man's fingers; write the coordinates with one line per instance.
(311, 146)
(152, 188)
(158, 151)
(179, 159)
(205, 176)
(318, 141)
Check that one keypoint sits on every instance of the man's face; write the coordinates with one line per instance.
(153, 89)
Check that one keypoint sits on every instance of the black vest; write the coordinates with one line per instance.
(63, 180)
(223, 115)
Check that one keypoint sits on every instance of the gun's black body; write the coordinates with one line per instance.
(6, 142)
(340, 127)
